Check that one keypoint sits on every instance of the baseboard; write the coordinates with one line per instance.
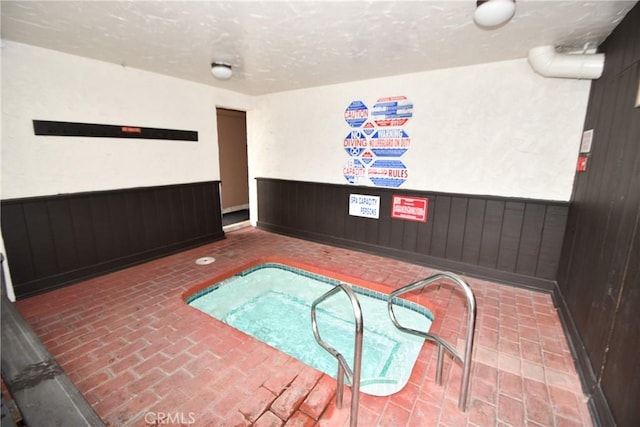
(235, 208)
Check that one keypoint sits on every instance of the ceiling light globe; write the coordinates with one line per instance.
(493, 13)
(221, 70)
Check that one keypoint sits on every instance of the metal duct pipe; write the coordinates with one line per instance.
(548, 63)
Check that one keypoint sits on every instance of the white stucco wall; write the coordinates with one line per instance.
(495, 129)
(43, 84)
(492, 129)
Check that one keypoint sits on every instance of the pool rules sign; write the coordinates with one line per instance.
(376, 142)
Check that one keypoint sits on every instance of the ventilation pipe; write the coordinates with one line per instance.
(547, 62)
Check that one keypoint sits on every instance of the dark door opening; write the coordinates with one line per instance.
(234, 176)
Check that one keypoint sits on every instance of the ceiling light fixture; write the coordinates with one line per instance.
(493, 13)
(221, 70)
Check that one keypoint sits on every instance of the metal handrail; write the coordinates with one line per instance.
(343, 366)
(442, 344)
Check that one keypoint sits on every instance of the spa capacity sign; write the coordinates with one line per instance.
(376, 141)
(354, 171)
(410, 208)
(364, 205)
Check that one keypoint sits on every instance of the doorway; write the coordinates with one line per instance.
(234, 175)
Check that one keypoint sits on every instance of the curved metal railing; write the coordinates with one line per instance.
(343, 366)
(442, 344)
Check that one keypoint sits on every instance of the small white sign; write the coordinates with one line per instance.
(364, 206)
(587, 138)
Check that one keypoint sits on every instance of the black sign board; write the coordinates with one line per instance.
(44, 127)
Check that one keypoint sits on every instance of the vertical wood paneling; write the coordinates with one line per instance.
(551, 241)
(396, 234)
(40, 239)
(510, 236)
(101, 224)
(63, 234)
(118, 224)
(498, 234)
(598, 275)
(56, 240)
(306, 213)
(384, 231)
(340, 213)
(151, 226)
(188, 210)
(531, 236)
(455, 232)
(324, 196)
(289, 200)
(474, 223)
(84, 236)
(176, 226)
(135, 222)
(17, 242)
(425, 231)
(441, 218)
(491, 232)
(410, 235)
(162, 200)
(623, 365)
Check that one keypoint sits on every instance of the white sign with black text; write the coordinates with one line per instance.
(364, 206)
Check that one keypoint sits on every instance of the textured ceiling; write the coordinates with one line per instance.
(277, 46)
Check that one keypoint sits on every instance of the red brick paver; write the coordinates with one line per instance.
(140, 355)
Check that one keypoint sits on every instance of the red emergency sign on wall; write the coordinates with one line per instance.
(410, 208)
(582, 163)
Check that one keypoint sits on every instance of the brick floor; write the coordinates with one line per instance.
(142, 357)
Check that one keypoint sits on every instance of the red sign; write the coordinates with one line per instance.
(129, 129)
(582, 163)
(410, 208)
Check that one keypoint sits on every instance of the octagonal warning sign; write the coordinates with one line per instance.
(390, 142)
(392, 111)
(367, 157)
(368, 128)
(354, 171)
(387, 173)
(356, 114)
(355, 143)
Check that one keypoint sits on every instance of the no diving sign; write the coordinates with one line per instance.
(355, 143)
